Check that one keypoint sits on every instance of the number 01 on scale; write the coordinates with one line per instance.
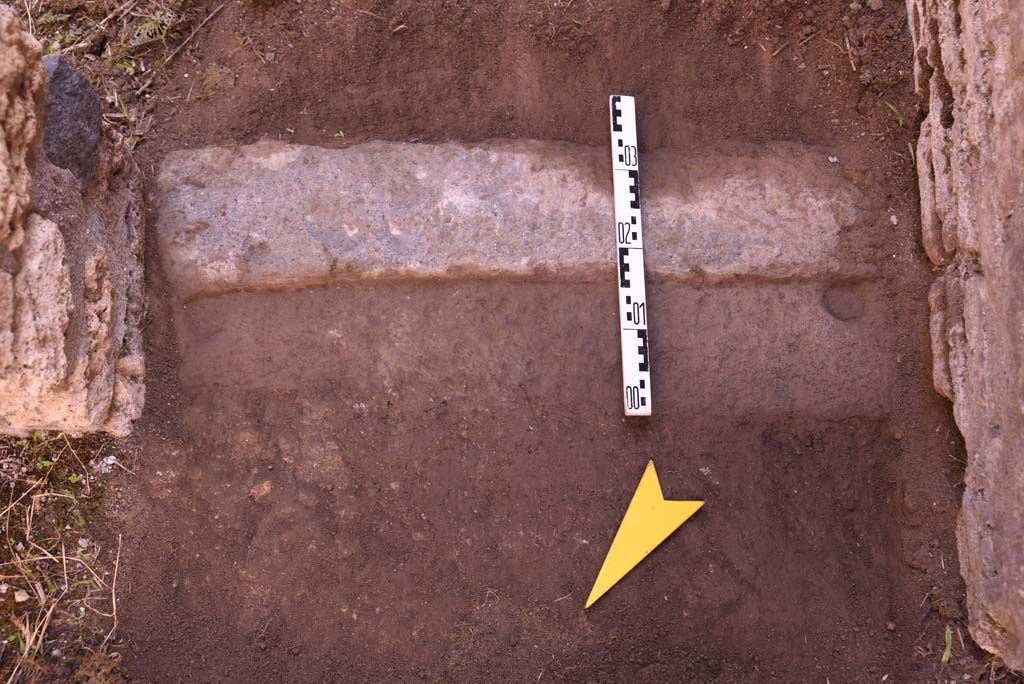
(629, 250)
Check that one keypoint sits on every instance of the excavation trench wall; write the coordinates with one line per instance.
(970, 158)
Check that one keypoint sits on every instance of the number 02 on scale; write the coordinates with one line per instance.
(629, 250)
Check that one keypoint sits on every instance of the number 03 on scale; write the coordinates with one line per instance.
(629, 250)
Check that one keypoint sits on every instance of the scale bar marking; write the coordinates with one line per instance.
(629, 247)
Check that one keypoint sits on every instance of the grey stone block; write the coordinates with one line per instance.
(273, 215)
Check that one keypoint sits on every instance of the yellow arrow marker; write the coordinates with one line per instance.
(649, 520)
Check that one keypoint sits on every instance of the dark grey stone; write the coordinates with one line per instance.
(71, 129)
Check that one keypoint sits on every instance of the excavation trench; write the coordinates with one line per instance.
(384, 437)
(410, 443)
(437, 490)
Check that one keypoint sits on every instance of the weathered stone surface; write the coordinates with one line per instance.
(71, 297)
(274, 215)
(21, 92)
(71, 129)
(970, 157)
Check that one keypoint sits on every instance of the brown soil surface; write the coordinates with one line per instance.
(418, 482)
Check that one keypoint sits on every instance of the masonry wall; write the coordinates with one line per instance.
(969, 61)
(71, 239)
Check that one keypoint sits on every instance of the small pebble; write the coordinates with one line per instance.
(261, 490)
(891, 626)
(833, 159)
(876, 4)
(20, 596)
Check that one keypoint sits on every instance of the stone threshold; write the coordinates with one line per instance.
(275, 216)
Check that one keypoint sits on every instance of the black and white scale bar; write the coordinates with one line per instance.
(629, 248)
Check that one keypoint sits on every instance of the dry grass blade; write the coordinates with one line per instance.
(33, 640)
(119, 11)
(849, 53)
(371, 14)
(52, 573)
(113, 596)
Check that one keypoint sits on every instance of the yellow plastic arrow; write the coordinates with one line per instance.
(649, 520)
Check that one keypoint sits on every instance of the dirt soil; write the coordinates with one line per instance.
(418, 481)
